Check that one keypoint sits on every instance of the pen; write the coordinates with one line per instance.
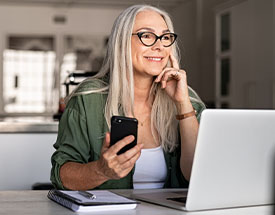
(87, 194)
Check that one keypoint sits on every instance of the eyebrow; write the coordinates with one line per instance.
(151, 29)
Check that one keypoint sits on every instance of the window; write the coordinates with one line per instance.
(28, 75)
(68, 66)
(34, 75)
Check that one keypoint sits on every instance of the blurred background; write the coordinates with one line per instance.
(48, 46)
(226, 45)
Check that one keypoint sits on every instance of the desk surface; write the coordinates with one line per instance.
(36, 202)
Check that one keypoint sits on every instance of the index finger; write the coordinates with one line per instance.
(106, 142)
(174, 61)
(121, 143)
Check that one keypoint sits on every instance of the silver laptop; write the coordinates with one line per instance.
(234, 163)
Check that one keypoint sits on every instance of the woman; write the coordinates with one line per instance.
(140, 78)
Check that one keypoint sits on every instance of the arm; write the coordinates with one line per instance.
(174, 81)
(81, 160)
(77, 176)
(188, 134)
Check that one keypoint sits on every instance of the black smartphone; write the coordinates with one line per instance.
(121, 127)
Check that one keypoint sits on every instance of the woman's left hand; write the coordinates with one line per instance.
(174, 81)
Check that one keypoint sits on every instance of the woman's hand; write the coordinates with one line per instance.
(174, 82)
(113, 166)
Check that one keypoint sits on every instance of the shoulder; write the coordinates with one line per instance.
(90, 94)
(193, 94)
(90, 85)
(83, 102)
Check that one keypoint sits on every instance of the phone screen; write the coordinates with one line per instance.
(121, 127)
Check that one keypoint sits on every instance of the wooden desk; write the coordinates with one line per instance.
(37, 203)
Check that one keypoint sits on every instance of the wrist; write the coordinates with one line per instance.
(185, 110)
(186, 115)
(184, 107)
(99, 171)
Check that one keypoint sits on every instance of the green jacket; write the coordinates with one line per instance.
(81, 133)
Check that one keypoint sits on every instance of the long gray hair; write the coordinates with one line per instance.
(118, 69)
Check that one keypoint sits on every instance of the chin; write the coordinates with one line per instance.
(150, 70)
(157, 71)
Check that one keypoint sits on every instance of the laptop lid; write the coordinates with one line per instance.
(234, 161)
(233, 165)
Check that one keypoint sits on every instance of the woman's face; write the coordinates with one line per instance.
(149, 61)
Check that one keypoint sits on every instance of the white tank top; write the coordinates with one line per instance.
(150, 170)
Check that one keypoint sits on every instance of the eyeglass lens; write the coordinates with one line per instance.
(148, 38)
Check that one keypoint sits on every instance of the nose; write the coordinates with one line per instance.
(158, 45)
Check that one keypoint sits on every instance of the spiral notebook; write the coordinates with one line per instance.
(104, 201)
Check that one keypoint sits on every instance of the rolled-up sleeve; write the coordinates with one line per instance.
(197, 103)
(72, 142)
(199, 107)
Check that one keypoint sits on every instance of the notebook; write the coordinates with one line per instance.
(103, 200)
(234, 163)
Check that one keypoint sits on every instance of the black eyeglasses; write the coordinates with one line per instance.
(149, 38)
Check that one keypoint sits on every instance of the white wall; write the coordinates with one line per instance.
(28, 19)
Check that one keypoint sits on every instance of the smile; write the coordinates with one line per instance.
(157, 59)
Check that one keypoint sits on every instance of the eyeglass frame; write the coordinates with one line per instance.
(139, 34)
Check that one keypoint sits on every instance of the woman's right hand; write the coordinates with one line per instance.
(113, 166)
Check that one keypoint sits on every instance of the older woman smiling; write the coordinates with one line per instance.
(140, 78)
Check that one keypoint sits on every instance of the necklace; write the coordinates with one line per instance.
(142, 122)
(147, 117)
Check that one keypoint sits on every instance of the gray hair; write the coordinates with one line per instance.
(118, 69)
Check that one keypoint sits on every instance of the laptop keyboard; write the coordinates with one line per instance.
(178, 199)
(182, 193)
(181, 198)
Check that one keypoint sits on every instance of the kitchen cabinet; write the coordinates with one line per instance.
(25, 155)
